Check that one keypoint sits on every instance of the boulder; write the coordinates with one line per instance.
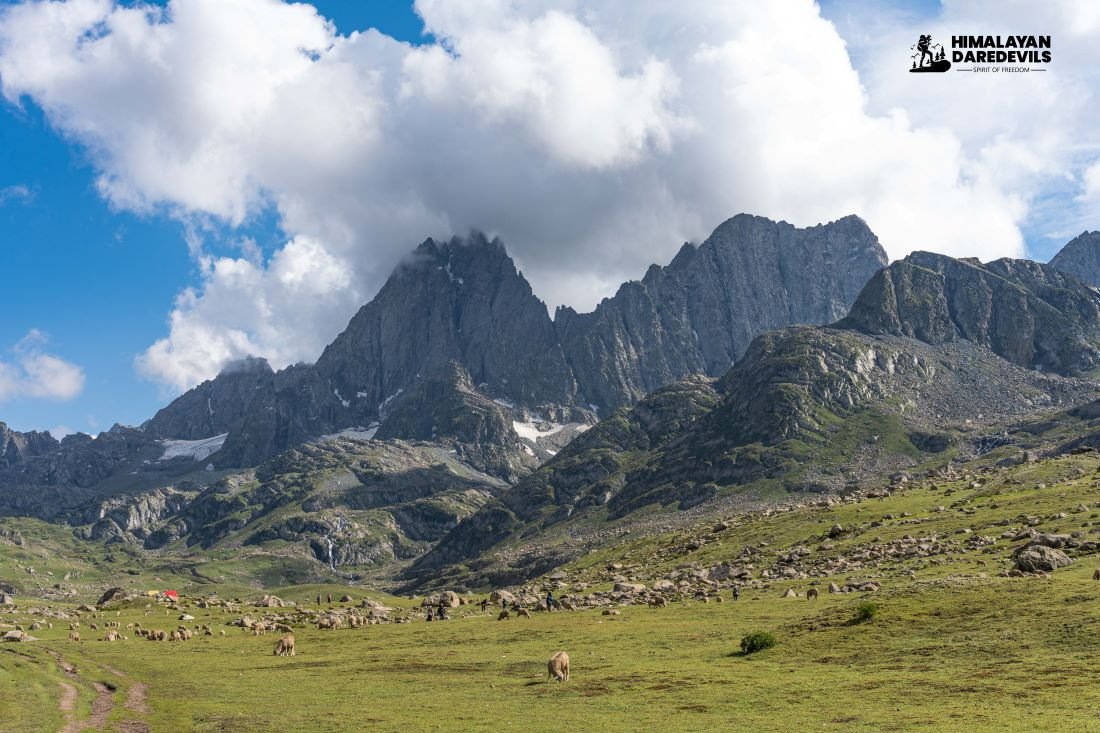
(664, 585)
(269, 602)
(834, 588)
(345, 598)
(449, 599)
(629, 588)
(6, 600)
(112, 595)
(15, 635)
(1039, 558)
(502, 595)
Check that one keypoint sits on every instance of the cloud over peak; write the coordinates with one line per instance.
(593, 137)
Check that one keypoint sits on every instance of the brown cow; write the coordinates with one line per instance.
(285, 647)
(503, 615)
(558, 667)
(524, 613)
(811, 594)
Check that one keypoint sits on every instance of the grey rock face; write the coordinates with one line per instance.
(1030, 314)
(16, 447)
(460, 301)
(698, 314)
(1081, 258)
(464, 302)
(214, 407)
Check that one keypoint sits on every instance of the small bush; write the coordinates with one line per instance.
(757, 641)
(865, 612)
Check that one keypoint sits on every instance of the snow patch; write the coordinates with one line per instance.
(345, 403)
(505, 403)
(358, 433)
(385, 403)
(582, 428)
(552, 452)
(528, 451)
(196, 450)
(360, 395)
(531, 431)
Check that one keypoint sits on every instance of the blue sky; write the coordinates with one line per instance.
(98, 282)
(101, 282)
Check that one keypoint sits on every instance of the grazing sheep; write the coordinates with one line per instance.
(285, 647)
(719, 599)
(74, 636)
(259, 630)
(111, 635)
(76, 624)
(658, 601)
(221, 633)
(1096, 574)
(524, 613)
(811, 594)
(558, 667)
(503, 615)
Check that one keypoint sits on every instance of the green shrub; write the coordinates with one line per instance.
(865, 612)
(757, 641)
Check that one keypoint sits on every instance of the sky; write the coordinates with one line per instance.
(186, 183)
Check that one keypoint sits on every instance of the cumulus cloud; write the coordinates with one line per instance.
(594, 137)
(31, 372)
(17, 193)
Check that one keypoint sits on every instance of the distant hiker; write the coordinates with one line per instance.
(549, 600)
(330, 598)
(318, 599)
(736, 592)
(430, 617)
(441, 614)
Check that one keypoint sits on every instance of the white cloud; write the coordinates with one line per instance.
(33, 373)
(593, 137)
(18, 193)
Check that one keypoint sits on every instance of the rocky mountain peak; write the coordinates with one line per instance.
(1030, 314)
(1081, 258)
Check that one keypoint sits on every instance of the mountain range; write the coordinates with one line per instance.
(457, 432)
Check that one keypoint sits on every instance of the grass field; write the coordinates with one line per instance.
(951, 647)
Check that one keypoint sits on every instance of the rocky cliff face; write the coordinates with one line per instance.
(1081, 258)
(216, 406)
(460, 301)
(16, 447)
(1030, 314)
(699, 313)
(463, 302)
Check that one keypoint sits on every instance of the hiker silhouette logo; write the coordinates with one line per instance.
(928, 56)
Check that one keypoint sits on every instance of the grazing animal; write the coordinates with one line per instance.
(76, 624)
(558, 667)
(258, 630)
(285, 647)
(568, 605)
(811, 594)
(503, 615)
(658, 601)
(222, 632)
(111, 635)
(93, 627)
(524, 613)
(1096, 574)
(74, 636)
(719, 599)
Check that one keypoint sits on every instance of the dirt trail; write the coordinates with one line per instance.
(104, 703)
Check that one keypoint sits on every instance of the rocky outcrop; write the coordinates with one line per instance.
(1030, 314)
(16, 447)
(216, 406)
(700, 312)
(444, 407)
(1081, 258)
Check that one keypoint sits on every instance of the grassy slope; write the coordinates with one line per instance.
(948, 650)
